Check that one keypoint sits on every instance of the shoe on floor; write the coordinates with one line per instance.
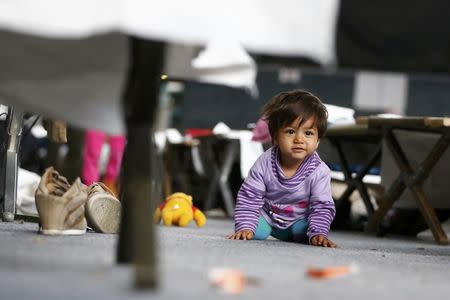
(60, 206)
(103, 209)
(112, 186)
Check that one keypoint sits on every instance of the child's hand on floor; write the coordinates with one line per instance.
(320, 240)
(241, 235)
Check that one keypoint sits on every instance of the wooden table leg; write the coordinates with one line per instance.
(412, 179)
(430, 216)
(343, 203)
(392, 194)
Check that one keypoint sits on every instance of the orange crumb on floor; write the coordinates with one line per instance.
(329, 272)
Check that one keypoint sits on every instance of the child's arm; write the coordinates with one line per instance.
(249, 201)
(322, 209)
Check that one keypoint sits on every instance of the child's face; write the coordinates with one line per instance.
(296, 143)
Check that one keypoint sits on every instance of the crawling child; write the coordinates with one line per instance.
(287, 193)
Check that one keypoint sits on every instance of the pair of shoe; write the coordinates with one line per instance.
(66, 209)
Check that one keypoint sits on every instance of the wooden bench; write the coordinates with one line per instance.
(410, 177)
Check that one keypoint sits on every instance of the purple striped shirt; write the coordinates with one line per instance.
(283, 201)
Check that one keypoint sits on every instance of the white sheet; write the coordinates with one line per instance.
(288, 27)
(75, 70)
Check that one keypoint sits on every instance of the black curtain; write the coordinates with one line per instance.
(394, 35)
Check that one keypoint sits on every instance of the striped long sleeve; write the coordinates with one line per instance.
(321, 209)
(249, 201)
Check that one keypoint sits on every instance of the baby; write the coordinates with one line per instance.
(287, 193)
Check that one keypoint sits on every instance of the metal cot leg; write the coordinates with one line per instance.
(14, 131)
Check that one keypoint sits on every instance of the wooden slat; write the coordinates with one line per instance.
(364, 120)
(347, 130)
(437, 122)
(419, 123)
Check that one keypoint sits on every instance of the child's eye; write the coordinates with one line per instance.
(290, 131)
(309, 133)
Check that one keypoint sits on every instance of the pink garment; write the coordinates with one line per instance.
(261, 132)
(92, 149)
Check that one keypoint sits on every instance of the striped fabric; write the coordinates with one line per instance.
(306, 168)
(282, 201)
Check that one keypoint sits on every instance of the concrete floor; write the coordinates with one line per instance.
(33, 266)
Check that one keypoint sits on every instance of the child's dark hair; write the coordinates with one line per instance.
(286, 107)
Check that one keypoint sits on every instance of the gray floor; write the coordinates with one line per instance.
(33, 266)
